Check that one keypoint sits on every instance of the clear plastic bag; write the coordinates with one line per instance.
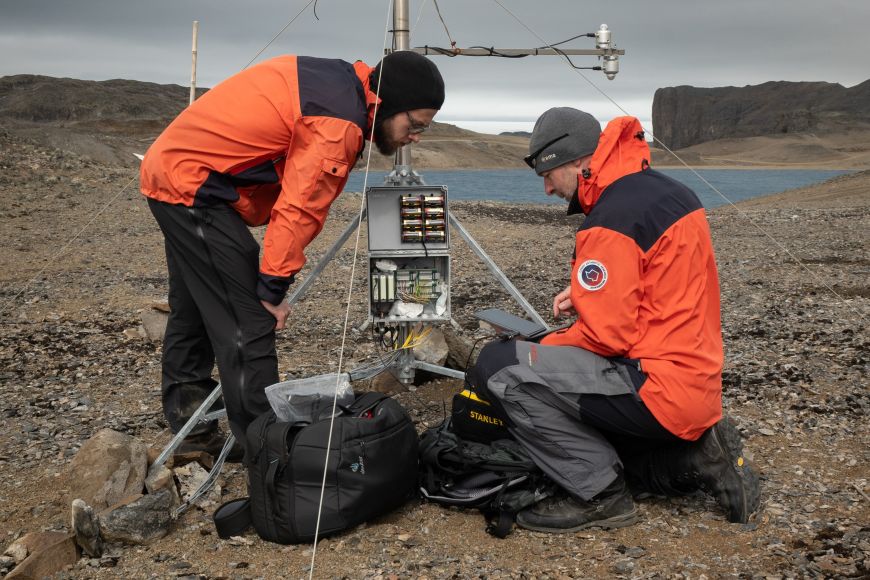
(309, 399)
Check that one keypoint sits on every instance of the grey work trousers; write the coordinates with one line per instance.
(216, 315)
(577, 413)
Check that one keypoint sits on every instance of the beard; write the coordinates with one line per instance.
(382, 141)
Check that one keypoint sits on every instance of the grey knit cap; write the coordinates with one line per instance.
(562, 134)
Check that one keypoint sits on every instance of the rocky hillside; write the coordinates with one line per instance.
(107, 121)
(684, 116)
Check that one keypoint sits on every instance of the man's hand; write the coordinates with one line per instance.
(562, 305)
(280, 311)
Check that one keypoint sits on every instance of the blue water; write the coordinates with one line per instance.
(523, 186)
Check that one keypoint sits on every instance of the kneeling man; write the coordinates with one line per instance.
(629, 395)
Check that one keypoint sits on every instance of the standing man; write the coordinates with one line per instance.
(632, 390)
(273, 144)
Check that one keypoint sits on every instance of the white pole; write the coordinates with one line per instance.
(193, 63)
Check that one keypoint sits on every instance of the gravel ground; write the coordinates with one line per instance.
(795, 381)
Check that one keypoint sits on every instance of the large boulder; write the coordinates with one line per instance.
(433, 348)
(45, 554)
(109, 467)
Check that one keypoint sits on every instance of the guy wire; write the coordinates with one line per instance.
(349, 300)
(280, 32)
(677, 157)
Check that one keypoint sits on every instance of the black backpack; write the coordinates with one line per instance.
(372, 470)
(498, 478)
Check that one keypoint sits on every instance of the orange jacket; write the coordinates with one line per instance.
(277, 142)
(644, 281)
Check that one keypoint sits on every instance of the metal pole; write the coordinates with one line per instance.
(300, 290)
(402, 173)
(402, 41)
(496, 271)
(193, 63)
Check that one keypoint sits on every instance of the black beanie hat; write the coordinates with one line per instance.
(411, 81)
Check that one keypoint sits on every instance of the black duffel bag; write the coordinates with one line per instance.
(372, 470)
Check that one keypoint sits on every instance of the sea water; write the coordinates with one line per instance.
(523, 186)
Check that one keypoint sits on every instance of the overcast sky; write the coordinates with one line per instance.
(667, 42)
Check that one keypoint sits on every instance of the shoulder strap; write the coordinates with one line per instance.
(363, 402)
(233, 518)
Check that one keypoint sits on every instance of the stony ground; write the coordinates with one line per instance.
(83, 258)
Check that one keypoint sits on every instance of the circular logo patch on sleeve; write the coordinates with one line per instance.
(592, 275)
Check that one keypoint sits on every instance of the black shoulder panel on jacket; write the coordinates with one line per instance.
(330, 88)
(642, 206)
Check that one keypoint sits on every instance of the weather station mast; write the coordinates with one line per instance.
(408, 233)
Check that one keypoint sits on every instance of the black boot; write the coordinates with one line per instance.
(716, 464)
(180, 403)
(181, 400)
(212, 443)
(612, 508)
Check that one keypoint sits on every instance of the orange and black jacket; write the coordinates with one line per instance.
(276, 142)
(644, 281)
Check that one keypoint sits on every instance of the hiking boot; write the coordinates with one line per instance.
(720, 469)
(212, 443)
(612, 508)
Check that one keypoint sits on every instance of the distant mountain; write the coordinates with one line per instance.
(684, 116)
(526, 134)
(110, 120)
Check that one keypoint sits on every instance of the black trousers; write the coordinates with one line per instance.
(216, 316)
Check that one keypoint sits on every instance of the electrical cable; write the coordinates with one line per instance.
(677, 157)
(347, 309)
(450, 38)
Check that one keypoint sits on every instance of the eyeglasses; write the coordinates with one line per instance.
(531, 159)
(416, 127)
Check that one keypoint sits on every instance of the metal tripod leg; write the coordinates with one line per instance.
(452, 373)
(201, 415)
(499, 275)
(300, 290)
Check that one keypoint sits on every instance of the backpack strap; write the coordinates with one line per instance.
(501, 525)
(232, 518)
(363, 403)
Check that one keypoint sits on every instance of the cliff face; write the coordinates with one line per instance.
(685, 116)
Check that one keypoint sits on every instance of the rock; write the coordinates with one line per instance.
(142, 520)
(133, 333)
(163, 478)
(459, 350)
(190, 477)
(109, 467)
(48, 553)
(204, 458)
(17, 551)
(388, 384)
(433, 349)
(154, 322)
(86, 528)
